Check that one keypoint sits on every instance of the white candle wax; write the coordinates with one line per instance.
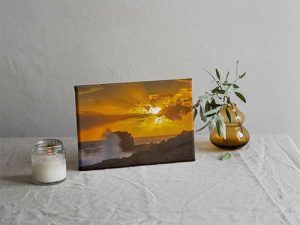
(48, 168)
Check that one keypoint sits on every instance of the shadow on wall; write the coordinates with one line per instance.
(72, 159)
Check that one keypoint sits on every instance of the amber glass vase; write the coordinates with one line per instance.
(236, 134)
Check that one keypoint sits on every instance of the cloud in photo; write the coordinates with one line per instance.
(89, 120)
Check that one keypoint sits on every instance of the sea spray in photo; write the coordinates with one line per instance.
(97, 151)
(111, 146)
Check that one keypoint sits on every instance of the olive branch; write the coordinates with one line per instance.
(210, 103)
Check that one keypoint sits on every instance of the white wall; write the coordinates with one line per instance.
(49, 46)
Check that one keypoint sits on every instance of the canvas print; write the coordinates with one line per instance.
(137, 123)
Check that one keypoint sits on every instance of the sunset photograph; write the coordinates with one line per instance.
(137, 123)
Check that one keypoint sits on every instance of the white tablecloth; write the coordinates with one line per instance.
(259, 185)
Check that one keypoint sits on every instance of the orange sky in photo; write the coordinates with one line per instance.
(144, 109)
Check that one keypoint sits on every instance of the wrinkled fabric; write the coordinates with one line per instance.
(259, 185)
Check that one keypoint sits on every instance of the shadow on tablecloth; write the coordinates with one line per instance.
(19, 179)
(206, 146)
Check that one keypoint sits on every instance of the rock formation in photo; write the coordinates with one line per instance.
(176, 149)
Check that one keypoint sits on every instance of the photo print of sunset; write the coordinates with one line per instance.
(138, 123)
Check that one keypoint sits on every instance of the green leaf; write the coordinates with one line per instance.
(215, 89)
(203, 97)
(209, 73)
(214, 105)
(195, 113)
(218, 124)
(222, 127)
(240, 96)
(210, 115)
(196, 104)
(235, 86)
(228, 115)
(213, 111)
(227, 76)
(212, 123)
(228, 89)
(218, 74)
(202, 116)
(207, 106)
(241, 76)
(219, 91)
(226, 156)
(202, 128)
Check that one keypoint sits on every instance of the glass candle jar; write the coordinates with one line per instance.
(48, 159)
